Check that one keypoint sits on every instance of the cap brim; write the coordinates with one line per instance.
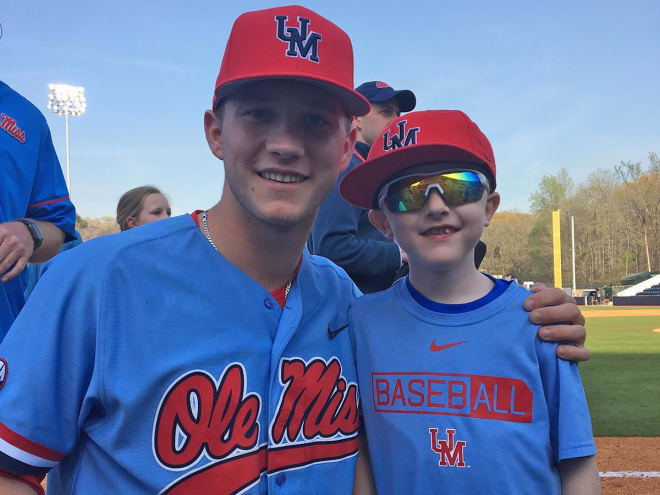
(406, 99)
(361, 185)
(351, 101)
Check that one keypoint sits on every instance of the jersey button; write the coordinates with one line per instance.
(268, 302)
(281, 479)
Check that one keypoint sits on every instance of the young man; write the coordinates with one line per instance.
(208, 353)
(342, 232)
(464, 413)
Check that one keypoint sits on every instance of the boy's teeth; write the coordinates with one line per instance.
(438, 231)
(280, 177)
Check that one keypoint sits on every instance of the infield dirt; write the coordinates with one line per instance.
(640, 454)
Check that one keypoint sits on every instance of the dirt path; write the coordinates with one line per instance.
(621, 312)
(629, 454)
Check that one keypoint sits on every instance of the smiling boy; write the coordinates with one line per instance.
(449, 405)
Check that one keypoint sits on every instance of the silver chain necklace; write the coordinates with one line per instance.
(205, 227)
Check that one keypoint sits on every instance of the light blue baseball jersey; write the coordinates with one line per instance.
(31, 184)
(464, 402)
(145, 362)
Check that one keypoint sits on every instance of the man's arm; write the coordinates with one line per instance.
(363, 483)
(17, 246)
(14, 486)
(579, 476)
(561, 320)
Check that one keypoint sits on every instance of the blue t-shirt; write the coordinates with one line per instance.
(145, 362)
(31, 184)
(466, 401)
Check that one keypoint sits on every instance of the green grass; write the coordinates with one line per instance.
(622, 378)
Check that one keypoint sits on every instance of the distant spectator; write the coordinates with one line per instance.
(142, 205)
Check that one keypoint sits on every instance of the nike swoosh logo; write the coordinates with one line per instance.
(333, 333)
(436, 348)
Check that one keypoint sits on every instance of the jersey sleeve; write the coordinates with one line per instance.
(49, 199)
(570, 423)
(48, 382)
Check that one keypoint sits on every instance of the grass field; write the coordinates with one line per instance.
(622, 378)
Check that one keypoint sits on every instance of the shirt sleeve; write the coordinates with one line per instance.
(570, 423)
(49, 199)
(335, 236)
(48, 382)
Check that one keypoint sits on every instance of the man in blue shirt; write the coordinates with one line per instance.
(343, 232)
(36, 215)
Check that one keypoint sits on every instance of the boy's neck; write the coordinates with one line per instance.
(458, 284)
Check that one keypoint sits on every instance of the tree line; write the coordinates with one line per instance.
(617, 220)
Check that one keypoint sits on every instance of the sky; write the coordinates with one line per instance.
(552, 84)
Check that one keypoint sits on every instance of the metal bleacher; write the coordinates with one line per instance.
(651, 291)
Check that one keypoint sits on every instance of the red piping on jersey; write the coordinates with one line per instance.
(355, 152)
(26, 445)
(44, 203)
(237, 473)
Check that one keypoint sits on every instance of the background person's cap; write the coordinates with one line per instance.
(416, 138)
(294, 43)
(378, 91)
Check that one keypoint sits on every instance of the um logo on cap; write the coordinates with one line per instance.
(302, 44)
(404, 138)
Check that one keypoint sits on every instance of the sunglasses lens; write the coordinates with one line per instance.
(462, 187)
(456, 188)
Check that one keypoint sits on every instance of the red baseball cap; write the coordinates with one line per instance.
(416, 138)
(290, 42)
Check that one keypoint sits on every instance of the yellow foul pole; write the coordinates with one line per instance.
(556, 248)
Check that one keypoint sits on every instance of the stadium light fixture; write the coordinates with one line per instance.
(67, 100)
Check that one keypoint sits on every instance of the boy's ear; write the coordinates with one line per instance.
(378, 218)
(492, 203)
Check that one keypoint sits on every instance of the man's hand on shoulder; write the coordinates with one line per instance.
(561, 320)
(16, 248)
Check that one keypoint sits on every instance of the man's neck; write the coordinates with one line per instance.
(457, 284)
(268, 254)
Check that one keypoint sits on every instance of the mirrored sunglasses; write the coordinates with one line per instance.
(410, 193)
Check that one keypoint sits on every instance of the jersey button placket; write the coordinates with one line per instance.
(268, 302)
(280, 479)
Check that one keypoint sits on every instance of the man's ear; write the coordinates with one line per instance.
(349, 145)
(357, 123)
(492, 203)
(378, 218)
(213, 131)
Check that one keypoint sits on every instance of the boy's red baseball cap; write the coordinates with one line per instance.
(416, 138)
(290, 42)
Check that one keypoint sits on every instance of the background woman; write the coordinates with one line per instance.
(144, 204)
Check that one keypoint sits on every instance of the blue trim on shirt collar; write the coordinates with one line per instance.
(497, 290)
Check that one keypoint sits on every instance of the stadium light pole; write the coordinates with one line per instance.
(67, 100)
